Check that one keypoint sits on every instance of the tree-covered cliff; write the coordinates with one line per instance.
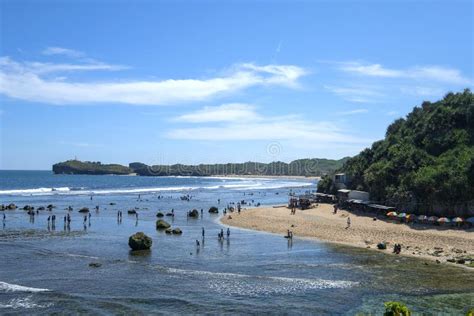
(426, 160)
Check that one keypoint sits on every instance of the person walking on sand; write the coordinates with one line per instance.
(348, 222)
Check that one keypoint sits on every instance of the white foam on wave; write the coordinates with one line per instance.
(25, 302)
(243, 284)
(34, 191)
(246, 184)
(7, 287)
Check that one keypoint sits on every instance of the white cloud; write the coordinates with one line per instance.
(267, 128)
(352, 112)
(432, 72)
(231, 112)
(358, 94)
(54, 50)
(79, 144)
(26, 81)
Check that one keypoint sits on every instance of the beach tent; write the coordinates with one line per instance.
(432, 218)
(443, 220)
(470, 220)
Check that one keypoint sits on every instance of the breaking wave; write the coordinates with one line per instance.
(245, 185)
(7, 287)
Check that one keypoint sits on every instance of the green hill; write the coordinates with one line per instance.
(89, 167)
(426, 161)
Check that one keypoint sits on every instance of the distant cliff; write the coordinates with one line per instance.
(301, 167)
(89, 167)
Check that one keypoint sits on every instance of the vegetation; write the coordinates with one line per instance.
(426, 160)
(89, 167)
(301, 167)
(396, 309)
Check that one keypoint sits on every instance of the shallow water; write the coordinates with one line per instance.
(250, 272)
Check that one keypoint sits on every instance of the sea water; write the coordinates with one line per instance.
(45, 270)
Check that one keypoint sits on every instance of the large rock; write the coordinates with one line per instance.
(140, 241)
(193, 213)
(28, 208)
(84, 210)
(132, 211)
(160, 214)
(161, 224)
(214, 210)
(11, 206)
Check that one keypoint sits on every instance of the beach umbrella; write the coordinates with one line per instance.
(422, 218)
(443, 220)
(457, 220)
(411, 217)
(390, 214)
(470, 220)
(402, 215)
(432, 219)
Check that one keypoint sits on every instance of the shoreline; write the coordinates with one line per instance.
(319, 223)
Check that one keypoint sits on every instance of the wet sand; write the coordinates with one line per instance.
(423, 241)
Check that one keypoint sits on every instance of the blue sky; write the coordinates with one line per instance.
(207, 82)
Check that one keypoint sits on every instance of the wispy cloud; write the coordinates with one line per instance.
(353, 112)
(358, 94)
(231, 112)
(266, 128)
(80, 144)
(430, 72)
(54, 50)
(26, 81)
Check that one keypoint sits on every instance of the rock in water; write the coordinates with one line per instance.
(139, 241)
(11, 206)
(169, 231)
(161, 224)
(84, 210)
(159, 214)
(132, 211)
(177, 231)
(193, 213)
(95, 265)
(214, 209)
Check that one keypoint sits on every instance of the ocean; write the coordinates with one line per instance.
(45, 270)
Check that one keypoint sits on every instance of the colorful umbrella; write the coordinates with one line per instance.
(411, 217)
(443, 220)
(402, 215)
(432, 218)
(457, 220)
(422, 218)
(392, 214)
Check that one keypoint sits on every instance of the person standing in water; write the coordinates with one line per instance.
(228, 232)
(203, 232)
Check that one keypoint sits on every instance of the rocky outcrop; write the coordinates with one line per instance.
(159, 214)
(194, 213)
(84, 210)
(177, 231)
(132, 212)
(89, 167)
(214, 210)
(140, 241)
(162, 224)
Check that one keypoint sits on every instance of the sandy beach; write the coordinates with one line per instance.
(423, 241)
